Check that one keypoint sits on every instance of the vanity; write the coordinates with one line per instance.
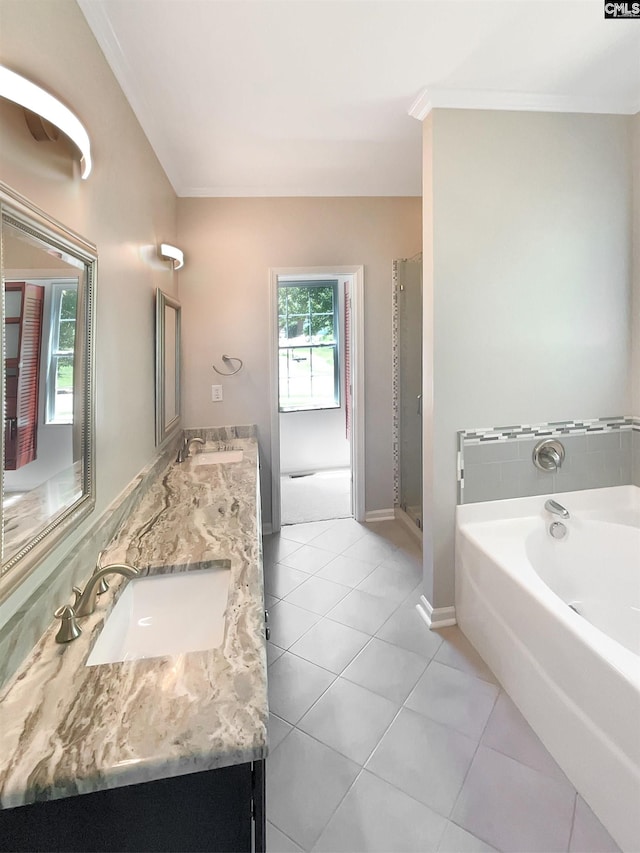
(164, 752)
(137, 720)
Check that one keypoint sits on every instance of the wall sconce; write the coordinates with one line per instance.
(173, 254)
(26, 94)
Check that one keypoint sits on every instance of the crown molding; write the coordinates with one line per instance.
(310, 191)
(96, 16)
(431, 98)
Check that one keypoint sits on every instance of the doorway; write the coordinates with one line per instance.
(317, 435)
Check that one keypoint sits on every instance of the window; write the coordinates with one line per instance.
(62, 336)
(308, 340)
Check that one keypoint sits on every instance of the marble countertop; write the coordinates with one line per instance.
(67, 729)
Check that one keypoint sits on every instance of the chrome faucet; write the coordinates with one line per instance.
(548, 455)
(556, 508)
(185, 450)
(85, 602)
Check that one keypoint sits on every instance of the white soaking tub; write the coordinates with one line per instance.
(558, 621)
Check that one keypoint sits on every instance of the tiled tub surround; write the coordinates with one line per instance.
(68, 729)
(496, 463)
(578, 685)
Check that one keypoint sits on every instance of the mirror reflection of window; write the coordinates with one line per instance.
(62, 335)
(42, 298)
(48, 277)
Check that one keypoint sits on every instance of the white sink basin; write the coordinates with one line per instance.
(218, 457)
(166, 615)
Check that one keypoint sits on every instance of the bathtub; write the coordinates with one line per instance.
(558, 621)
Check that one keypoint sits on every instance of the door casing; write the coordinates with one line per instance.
(357, 380)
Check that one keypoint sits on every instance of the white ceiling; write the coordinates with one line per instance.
(311, 97)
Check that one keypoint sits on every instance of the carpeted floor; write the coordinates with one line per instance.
(319, 496)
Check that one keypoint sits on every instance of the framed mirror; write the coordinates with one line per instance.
(48, 299)
(167, 366)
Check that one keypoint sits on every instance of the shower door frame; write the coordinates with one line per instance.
(357, 381)
(400, 509)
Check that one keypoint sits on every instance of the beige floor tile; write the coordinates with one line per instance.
(308, 558)
(277, 842)
(513, 807)
(278, 730)
(375, 817)
(424, 759)
(454, 698)
(294, 686)
(318, 595)
(349, 719)
(458, 840)
(288, 623)
(345, 570)
(386, 669)
(390, 583)
(363, 611)
(302, 533)
(280, 580)
(588, 834)
(331, 645)
(457, 651)
(508, 732)
(306, 781)
(406, 628)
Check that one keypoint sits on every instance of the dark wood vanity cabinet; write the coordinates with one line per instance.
(215, 811)
(23, 337)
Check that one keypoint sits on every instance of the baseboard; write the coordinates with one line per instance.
(379, 515)
(405, 519)
(267, 528)
(439, 617)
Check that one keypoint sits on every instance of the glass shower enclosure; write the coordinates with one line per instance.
(407, 281)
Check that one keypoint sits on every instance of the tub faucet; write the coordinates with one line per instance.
(556, 508)
(184, 451)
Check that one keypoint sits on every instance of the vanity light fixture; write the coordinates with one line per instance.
(173, 254)
(26, 94)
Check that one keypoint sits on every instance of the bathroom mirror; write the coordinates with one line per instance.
(167, 366)
(48, 297)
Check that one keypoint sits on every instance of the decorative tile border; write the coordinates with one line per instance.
(395, 383)
(512, 434)
(554, 428)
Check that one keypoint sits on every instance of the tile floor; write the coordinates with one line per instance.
(385, 736)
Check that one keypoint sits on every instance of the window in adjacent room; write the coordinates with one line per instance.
(309, 369)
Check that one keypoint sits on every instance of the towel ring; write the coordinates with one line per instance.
(227, 360)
